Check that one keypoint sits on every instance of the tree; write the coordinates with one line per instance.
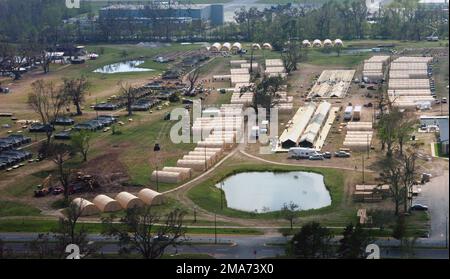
(289, 212)
(144, 231)
(354, 241)
(70, 232)
(75, 90)
(312, 242)
(399, 231)
(59, 154)
(192, 79)
(388, 128)
(292, 55)
(81, 142)
(391, 175)
(130, 96)
(41, 246)
(266, 92)
(48, 101)
(405, 130)
(410, 176)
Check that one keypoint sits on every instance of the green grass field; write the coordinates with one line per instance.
(9, 208)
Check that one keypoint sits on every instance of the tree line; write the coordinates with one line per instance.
(41, 21)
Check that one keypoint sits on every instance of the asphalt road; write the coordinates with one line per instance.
(235, 246)
(435, 195)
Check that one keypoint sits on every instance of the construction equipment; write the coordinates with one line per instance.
(44, 188)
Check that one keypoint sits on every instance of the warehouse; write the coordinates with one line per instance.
(128, 201)
(150, 197)
(312, 131)
(166, 177)
(86, 207)
(291, 135)
(106, 204)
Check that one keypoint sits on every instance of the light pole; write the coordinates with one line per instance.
(195, 214)
(221, 195)
(362, 169)
(368, 147)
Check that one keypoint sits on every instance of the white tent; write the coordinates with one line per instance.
(317, 43)
(86, 207)
(150, 197)
(106, 204)
(128, 201)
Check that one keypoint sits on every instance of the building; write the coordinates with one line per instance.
(442, 123)
(434, 4)
(212, 14)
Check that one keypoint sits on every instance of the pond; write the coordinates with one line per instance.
(269, 191)
(123, 67)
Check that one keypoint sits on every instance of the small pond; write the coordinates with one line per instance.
(123, 67)
(269, 191)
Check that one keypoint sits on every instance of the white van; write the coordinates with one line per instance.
(301, 152)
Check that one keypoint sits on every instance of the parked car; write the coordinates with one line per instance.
(444, 100)
(327, 155)
(316, 157)
(419, 207)
(342, 154)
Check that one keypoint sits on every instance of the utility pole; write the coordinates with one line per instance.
(363, 169)
(215, 229)
(221, 195)
(368, 147)
(195, 214)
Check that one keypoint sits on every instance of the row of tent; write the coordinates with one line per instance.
(326, 43)
(359, 136)
(123, 200)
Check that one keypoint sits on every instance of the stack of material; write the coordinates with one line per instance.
(379, 188)
(374, 68)
(245, 98)
(359, 126)
(239, 71)
(128, 201)
(274, 63)
(358, 140)
(167, 177)
(86, 207)
(395, 84)
(253, 65)
(237, 63)
(106, 204)
(312, 131)
(240, 78)
(408, 74)
(186, 173)
(221, 78)
(409, 86)
(291, 135)
(408, 66)
(332, 84)
(150, 197)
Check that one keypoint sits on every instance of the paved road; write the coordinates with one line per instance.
(234, 246)
(435, 195)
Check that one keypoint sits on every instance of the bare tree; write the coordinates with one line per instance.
(289, 212)
(75, 89)
(192, 79)
(410, 176)
(59, 154)
(129, 93)
(391, 174)
(48, 101)
(143, 231)
(70, 232)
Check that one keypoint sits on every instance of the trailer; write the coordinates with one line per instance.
(301, 152)
(348, 113)
(357, 113)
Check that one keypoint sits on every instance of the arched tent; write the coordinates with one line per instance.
(236, 47)
(256, 46)
(327, 43)
(215, 47)
(167, 177)
(106, 204)
(317, 43)
(267, 46)
(150, 197)
(338, 42)
(128, 200)
(87, 208)
(306, 43)
(226, 47)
